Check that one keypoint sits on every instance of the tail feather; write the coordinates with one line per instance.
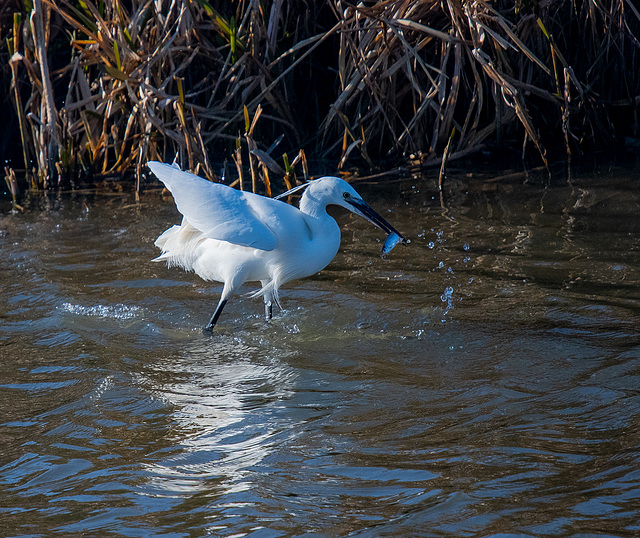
(163, 257)
(178, 245)
(270, 290)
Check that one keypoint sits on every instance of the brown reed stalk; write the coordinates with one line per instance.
(14, 59)
(12, 183)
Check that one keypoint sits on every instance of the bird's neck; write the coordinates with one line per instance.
(322, 226)
(312, 206)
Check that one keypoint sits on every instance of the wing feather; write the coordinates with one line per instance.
(217, 210)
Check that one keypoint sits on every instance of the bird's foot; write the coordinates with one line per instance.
(208, 330)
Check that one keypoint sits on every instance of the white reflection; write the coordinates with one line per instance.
(118, 311)
(227, 396)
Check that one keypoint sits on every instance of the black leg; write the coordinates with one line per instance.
(216, 315)
(268, 310)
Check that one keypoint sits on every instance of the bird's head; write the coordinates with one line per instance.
(335, 191)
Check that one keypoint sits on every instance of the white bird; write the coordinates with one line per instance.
(233, 237)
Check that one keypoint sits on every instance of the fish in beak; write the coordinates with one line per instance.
(394, 237)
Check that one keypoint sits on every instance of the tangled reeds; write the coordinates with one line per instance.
(100, 87)
(425, 74)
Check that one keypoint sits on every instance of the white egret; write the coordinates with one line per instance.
(233, 237)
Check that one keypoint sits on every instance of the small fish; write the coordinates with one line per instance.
(391, 241)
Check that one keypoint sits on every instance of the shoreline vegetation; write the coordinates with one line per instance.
(96, 88)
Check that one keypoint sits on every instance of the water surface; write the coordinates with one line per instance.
(483, 381)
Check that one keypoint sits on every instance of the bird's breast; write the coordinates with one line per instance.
(309, 249)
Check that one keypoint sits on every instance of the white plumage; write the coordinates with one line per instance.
(233, 237)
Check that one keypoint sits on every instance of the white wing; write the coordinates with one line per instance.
(218, 211)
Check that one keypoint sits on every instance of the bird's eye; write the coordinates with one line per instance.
(346, 195)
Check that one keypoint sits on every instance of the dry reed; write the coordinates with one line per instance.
(100, 87)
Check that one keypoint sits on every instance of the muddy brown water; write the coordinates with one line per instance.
(484, 381)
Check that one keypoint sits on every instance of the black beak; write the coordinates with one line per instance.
(375, 219)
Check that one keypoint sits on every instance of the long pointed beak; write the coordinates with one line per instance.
(364, 210)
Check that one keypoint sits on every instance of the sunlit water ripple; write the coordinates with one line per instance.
(483, 381)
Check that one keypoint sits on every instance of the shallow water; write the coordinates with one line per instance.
(483, 381)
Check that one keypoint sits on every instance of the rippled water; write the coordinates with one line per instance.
(483, 381)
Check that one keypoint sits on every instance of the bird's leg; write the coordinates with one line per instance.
(216, 315)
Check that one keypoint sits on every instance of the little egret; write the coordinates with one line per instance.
(232, 236)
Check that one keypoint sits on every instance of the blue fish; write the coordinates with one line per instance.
(391, 241)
